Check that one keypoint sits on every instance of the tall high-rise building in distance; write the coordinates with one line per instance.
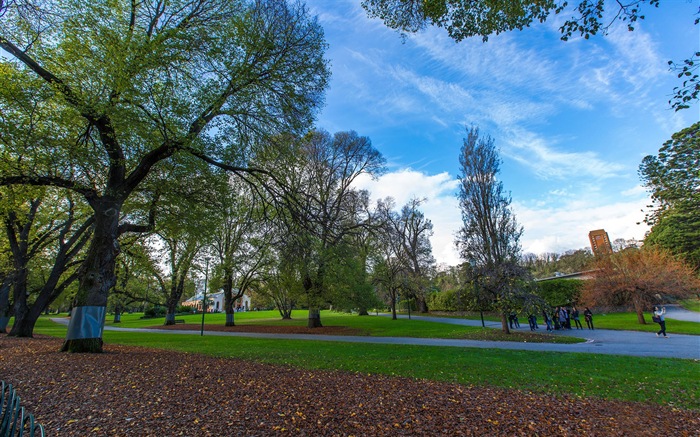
(600, 242)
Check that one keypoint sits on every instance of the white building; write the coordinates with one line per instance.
(215, 302)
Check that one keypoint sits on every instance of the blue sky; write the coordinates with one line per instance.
(572, 120)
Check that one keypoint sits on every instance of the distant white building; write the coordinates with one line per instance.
(215, 302)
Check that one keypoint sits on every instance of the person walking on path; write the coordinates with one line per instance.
(660, 319)
(547, 321)
(588, 315)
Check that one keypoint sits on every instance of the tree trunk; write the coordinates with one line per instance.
(229, 300)
(24, 326)
(5, 303)
(393, 307)
(639, 309)
(173, 300)
(422, 304)
(96, 278)
(314, 318)
(117, 314)
(21, 309)
(504, 323)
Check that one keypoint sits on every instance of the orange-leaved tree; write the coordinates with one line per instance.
(639, 279)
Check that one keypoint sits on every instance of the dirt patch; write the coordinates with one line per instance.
(131, 391)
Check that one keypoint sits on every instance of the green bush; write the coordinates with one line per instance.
(182, 309)
(155, 311)
(558, 292)
(448, 300)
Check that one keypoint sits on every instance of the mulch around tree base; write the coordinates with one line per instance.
(144, 392)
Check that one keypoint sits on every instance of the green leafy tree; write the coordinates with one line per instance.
(326, 209)
(557, 292)
(489, 239)
(96, 95)
(242, 241)
(673, 178)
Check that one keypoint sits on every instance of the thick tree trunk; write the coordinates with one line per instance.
(24, 326)
(21, 309)
(96, 278)
(314, 318)
(173, 299)
(422, 304)
(504, 323)
(169, 318)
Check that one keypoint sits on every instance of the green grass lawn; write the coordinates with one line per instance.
(628, 322)
(691, 304)
(665, 381)
(367, 325)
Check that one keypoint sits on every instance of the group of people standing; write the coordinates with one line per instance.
(561, 318)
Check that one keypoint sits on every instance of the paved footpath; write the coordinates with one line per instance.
(598, 341)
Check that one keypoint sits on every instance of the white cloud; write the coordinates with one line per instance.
(566, 226)
(548, 228)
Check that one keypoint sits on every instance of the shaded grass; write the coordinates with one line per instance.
(664, 381)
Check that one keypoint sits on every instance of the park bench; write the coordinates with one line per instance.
(14, 420)
(178, 321)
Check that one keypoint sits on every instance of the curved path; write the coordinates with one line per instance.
(599, 341)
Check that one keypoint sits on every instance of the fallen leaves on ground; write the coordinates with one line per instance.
(144, 392)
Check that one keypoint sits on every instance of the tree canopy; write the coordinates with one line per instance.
(96, 95)
(673, 178)
(639, 279)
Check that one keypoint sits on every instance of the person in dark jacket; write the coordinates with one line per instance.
(588, 315)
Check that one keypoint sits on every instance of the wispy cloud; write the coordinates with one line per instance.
(534, 152)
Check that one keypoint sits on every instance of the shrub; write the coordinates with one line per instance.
(155, 311)
(448, 300)
(558, 292)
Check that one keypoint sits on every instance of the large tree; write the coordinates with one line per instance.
(464, 19)
(406, 258)
(242, 241)
(639, 279)
(121, 86)
(327, 208)
(489, 239)
(673, 178)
